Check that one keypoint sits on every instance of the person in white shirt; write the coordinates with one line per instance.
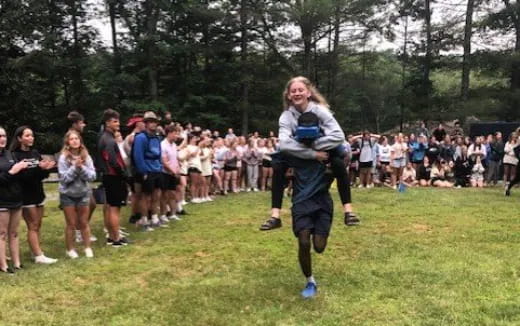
(398, 152)
(367, 157)
(195, 169)
(206, 157)
(510, 160)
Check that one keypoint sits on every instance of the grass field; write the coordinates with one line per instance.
(425, 257)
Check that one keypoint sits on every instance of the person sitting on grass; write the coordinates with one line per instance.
(424, 172)
(438, 175)
(477, 174)
(409, 175)
(462, 169)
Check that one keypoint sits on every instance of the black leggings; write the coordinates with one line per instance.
(339, 170)
(516, 179)
(304, 249)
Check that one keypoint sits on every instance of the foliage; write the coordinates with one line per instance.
(188, 57)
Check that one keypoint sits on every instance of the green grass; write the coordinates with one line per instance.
(425, 257)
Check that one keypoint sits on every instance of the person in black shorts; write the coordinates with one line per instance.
(330, 130)
(146, 156)
(32, 188)
(112, 167)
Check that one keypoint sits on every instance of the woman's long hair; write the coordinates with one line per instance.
(15, 143)
(66, 150)
(315, 94)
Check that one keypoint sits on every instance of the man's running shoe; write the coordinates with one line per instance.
(310, 291)
(271, 224)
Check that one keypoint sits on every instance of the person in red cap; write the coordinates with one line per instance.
(137, 125)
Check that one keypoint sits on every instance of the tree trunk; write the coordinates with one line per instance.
(151, 12)
(77, 87)
(403, 73)
(244, 101)
(113, 28)
(306, 28)
(428, 55)
(335, 56)
(466, 60)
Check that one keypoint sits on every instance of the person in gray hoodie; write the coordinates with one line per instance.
(76, 170)
(306, 98)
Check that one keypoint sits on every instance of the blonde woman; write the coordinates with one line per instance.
(76, 170)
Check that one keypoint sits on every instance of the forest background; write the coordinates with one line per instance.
(224, 63)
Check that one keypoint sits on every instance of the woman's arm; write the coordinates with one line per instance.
(333, 137)
(288, 144)
(87, 171)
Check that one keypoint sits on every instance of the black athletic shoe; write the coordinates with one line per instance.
(507, 192)
(133, 219)
(183, 212)
(351, 219)
(109, 242)
(118, 244)
(271, 224)
(9, 270)
(124, 241)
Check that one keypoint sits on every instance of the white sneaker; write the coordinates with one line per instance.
(89, 253)
(155, 220)
(196, 201)
(42, 259)
(164, 219)
(93, 238)
(209, 199)
(255, 189)
(248, 190)
(72, 254)
(360, 186)
(175, 218)
(123, 234)
(184, 202)
(79, 238)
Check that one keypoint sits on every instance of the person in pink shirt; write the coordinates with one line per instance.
(171, 172)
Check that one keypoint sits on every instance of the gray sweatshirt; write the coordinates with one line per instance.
(73, 180)
(333, 135)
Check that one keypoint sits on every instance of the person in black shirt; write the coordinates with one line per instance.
(424, 172)
(462, 168)
(439, 133)
(10, 205)
(354, 161)
(112, 167)
(433, 150)
(32, 188)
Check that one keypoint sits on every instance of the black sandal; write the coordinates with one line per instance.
(351, 219)
(271, 224)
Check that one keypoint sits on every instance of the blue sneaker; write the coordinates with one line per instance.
(310, 291)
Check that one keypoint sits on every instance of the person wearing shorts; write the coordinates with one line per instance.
(76, 170)
(113, 169)
(170, 174)
(32, 188)
(146, 155)
(10, 205)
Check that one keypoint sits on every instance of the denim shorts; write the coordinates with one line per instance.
(399, 163)
(66, 200)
